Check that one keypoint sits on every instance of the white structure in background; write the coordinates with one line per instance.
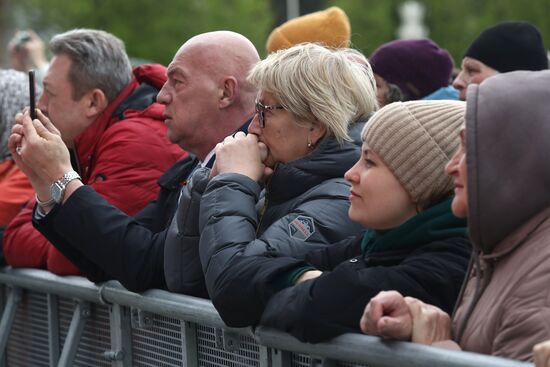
(292, 9)
(412, 17)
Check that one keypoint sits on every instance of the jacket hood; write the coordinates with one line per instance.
(330, 159)
(507, 155)
(137, 99)
(153, 74)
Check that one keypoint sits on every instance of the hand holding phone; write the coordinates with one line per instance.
(32, 95)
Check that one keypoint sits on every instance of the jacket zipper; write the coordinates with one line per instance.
(482, 281)
(266, 202)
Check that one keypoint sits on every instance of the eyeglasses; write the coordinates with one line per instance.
(260, 110)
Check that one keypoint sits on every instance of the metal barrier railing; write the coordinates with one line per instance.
(49, 320)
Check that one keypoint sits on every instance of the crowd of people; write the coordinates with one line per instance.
(317, 191)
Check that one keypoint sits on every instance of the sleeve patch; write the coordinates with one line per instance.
(301, 228)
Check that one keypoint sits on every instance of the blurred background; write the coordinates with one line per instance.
(154, 30)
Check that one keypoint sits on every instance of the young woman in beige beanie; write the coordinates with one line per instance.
(501, 176)
(414, 243)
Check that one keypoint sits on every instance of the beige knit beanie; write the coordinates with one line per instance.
(416, 140)
(328, 27)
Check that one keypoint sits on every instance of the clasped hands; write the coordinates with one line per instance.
(390, 315)
(38, 150)
(243, 154)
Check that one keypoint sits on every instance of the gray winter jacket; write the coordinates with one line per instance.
(303, 206)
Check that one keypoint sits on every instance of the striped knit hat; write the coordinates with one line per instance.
(416, 139)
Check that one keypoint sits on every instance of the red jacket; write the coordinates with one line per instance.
(15, 191)
(120, 158)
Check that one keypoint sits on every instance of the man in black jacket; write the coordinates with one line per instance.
(207, 97)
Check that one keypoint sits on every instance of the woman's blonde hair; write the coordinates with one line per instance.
(332, 87)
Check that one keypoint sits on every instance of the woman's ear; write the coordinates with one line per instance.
(96, 102)
(316, 132)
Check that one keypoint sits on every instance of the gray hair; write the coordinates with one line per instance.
(99, 60)
(318, 84)
(14, 96)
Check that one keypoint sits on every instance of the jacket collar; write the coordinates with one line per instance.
(86, 143)
(435, 223)
(330, 159)
(180, 171)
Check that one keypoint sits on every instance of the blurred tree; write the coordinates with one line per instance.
(5, 29)
(306, 7)
(452, 24)
(152, 30)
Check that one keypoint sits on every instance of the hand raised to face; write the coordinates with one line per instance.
(38, 150)
(242, 154)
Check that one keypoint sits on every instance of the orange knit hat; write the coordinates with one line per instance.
(328, 27)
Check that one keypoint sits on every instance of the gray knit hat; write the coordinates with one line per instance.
(416, 139)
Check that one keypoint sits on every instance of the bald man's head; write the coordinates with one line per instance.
(207, 96)
(222, 53)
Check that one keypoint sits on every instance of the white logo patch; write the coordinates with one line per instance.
(301, 228)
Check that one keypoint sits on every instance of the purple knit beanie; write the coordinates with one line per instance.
(418, 67)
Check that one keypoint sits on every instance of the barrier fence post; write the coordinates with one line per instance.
(78, 322)
(189, 344)
(53, 329)
(280, 358)
(121, 336)
(14, 298)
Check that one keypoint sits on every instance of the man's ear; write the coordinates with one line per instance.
(229, 92)
(96, 102)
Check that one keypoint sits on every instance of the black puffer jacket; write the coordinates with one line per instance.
(304, 206)
(424, 258)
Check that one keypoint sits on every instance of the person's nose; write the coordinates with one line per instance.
(254, 127)
(163, 97)
(42, 103)
(460, 84)
(351, 174)
(451, 168)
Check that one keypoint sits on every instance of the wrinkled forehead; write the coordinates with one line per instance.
(193, 58)
(58, 70)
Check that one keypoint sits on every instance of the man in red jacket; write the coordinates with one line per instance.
(108, 118)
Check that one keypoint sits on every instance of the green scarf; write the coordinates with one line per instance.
(435, 223)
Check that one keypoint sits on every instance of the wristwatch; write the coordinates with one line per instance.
(57, 189)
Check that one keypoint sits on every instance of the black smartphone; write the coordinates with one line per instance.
(32, 95)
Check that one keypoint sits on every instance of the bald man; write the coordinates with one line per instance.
(207, 98)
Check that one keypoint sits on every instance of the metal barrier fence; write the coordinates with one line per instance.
(49, 320)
